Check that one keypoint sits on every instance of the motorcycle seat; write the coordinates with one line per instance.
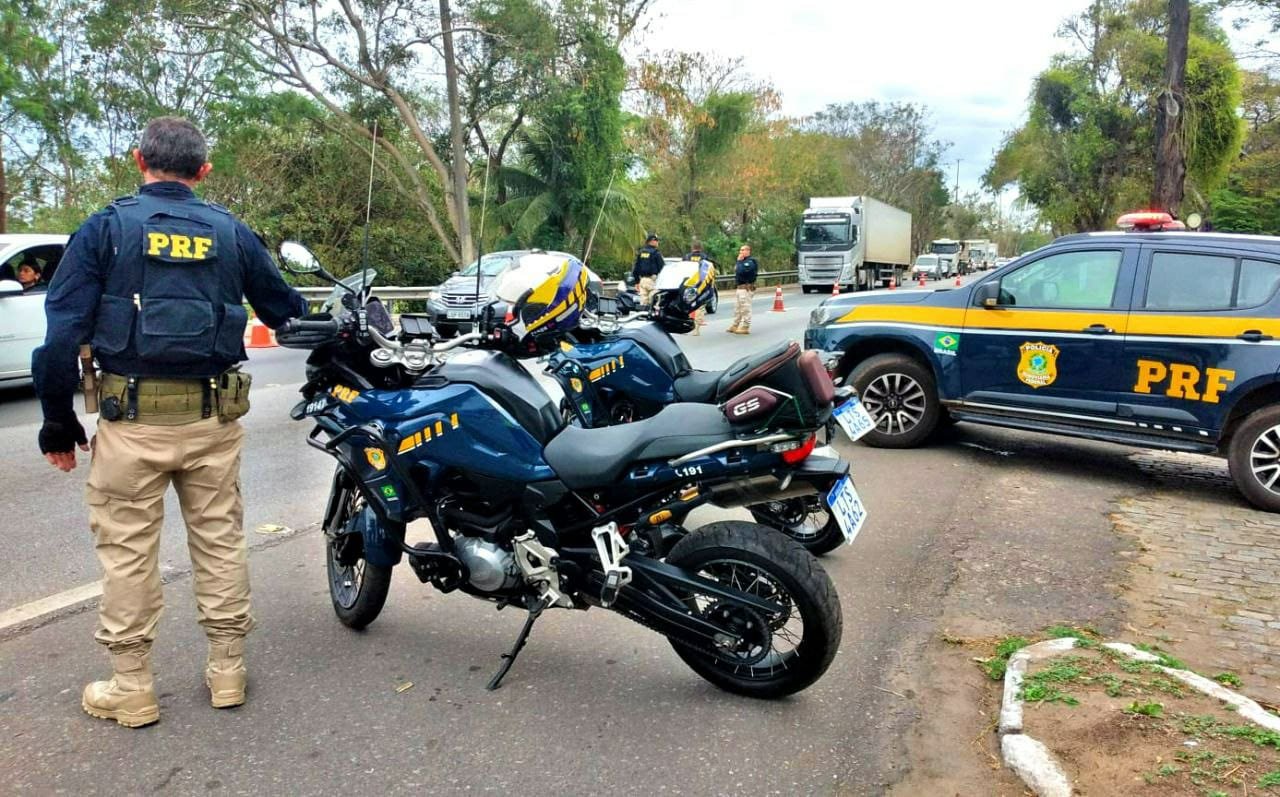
(698, 387)
(585, 458)
(740, 375)
(716, 387)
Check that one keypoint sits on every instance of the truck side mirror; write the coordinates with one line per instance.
(987, 294)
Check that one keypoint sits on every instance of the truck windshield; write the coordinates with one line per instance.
(826, 232)
(945, 249)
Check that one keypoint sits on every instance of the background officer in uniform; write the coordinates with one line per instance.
(157, 282)
(744, 273)
(648, 264)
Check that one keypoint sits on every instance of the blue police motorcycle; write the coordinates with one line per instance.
(531, 512)
(636, 369)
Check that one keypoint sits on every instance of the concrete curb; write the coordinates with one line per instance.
(1035, 764)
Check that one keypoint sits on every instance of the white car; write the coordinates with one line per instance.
(22, 321)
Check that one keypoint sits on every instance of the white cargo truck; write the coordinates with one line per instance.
(858, 241)
(979, 253)
(951, 256)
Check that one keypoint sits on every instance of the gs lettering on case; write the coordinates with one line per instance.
(746, 407)
(854, 419)
(847, 508)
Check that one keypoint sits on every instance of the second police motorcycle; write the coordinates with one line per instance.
(636, 368)
(531, 512)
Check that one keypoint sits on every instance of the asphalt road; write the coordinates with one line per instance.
(593, 703)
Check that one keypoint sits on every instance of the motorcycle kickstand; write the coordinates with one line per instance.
(509, 658)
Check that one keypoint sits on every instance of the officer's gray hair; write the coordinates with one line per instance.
(173, 145)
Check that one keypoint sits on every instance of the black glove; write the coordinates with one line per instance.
(61, 436)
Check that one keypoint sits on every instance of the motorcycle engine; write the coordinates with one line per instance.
(491, 568)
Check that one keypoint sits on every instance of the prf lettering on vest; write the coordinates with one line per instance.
(186, 247)
(1184, 380)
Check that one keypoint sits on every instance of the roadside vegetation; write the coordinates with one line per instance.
(550, 137)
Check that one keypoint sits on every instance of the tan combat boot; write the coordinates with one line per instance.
(129, 697)
(226, 674)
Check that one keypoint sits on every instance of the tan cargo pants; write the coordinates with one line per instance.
(742, 308)
(133, 465)
(645, 288)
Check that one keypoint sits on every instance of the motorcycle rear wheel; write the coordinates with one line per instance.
(357, 588)
(758, 560)
(805, 519)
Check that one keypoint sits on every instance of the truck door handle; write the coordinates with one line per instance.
(1253, 336)
(1098, 329)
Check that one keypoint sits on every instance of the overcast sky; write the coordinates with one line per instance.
(971, 63)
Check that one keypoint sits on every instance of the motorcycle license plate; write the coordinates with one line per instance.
(464, 315)
(847, 508)
(854, 419)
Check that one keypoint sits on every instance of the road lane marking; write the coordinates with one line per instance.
(53, 604)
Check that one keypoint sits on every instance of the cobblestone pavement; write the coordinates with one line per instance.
(1206, 575)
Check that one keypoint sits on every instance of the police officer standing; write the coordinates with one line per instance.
(745, 271)
(157, 282)
(648, 264)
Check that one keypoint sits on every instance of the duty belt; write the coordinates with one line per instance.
(160, 402)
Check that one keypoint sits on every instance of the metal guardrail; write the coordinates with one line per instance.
(397, 292)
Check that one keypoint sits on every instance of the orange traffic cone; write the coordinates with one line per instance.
(922, 279)
(260, 336)
(777, 300)
(957, 280)
(893, 284)
(835, 288)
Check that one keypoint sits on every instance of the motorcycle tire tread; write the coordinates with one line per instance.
(736, 537)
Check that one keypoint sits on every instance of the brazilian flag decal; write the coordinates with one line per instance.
(946, 343)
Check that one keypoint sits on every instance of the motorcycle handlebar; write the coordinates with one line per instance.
(293, 325)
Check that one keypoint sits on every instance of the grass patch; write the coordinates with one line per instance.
(998, 663)
(1043, 686)
(1270, 779)
(1084, 637)
(1145, 709)
(1228, 679)
(1165, 658)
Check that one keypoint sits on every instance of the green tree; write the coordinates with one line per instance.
(571, 151)
(1085, 153)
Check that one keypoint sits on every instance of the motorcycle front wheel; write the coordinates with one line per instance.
(805, 519)
(357, 588)
(779, 655)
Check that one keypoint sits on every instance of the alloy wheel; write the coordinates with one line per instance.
(1264, 459)
(895, 401)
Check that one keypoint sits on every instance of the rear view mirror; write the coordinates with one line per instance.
(987, 294)
(298, 259)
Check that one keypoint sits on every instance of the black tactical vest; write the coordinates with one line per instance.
(172, 302)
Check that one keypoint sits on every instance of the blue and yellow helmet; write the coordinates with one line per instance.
(545, 294)
(682, 287)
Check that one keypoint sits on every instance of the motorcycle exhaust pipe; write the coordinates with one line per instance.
(758, 489)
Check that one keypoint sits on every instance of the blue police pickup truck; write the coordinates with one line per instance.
(1149, 338)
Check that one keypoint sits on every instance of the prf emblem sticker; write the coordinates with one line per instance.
(1039, 364)
(376, 458)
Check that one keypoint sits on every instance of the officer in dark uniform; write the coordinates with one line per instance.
(645, 269)
(745, 273)
(156, 282)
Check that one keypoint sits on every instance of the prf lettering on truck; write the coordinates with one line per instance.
(1184, 380)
